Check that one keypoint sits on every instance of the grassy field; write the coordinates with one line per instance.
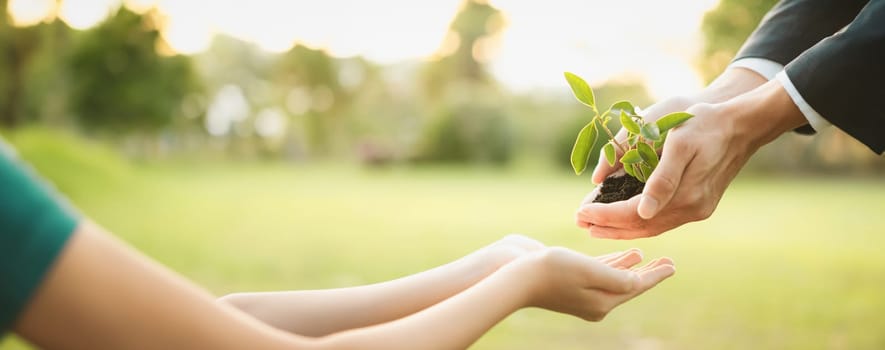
(783, 264)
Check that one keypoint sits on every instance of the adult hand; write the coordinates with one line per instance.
(654, 112)
(700, 159)
(732, 82)
(566, 281)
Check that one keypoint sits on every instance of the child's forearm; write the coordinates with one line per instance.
(451, 324)
(321, 312)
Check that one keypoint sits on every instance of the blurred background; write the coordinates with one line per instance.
(269, 145)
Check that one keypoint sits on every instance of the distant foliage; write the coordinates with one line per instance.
(461, 57)
(470, 132)
(316, 75)
(119, 82)
(31, 83)
(471, 123)
(725, 29)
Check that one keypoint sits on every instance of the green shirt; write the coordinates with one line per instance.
(35, 223)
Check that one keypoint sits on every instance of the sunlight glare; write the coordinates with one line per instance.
(600, 40)
(83, 14)
(30, 12)
(140, 6)
(186, 29)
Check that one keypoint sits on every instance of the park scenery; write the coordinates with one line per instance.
(276, 145)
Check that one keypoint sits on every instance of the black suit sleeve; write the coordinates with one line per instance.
(793, 26)
(843, 77)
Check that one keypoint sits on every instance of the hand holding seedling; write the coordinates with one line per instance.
(699, 160)
(638, 153)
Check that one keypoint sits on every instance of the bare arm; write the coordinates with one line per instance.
(555, 279)
(101, 294)
(322, 312)
(104, 295)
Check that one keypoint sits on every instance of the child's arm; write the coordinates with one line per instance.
(322, 312)
(555, 279)
(101, 294)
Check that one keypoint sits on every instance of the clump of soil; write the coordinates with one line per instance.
(618, 188)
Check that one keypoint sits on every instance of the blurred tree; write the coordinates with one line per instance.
(233, 61)
(725, 29)
(469, 122)
(236, 75)
(461, 55)
(20, 47)
(119, 82)
(381, 115)
(311, 81)
(469, 132)
(47, 87)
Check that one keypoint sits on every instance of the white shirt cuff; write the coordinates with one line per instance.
(814, 118)
(764, 67)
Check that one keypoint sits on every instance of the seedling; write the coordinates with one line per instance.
(639, 152)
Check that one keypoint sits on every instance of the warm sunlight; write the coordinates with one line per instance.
(30, 12)
(82, 14)
(655, 41)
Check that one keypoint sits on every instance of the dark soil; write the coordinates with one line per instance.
(618, 188)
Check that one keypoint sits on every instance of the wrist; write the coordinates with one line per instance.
(763, 114)
(504, 251)
(488, 260)
(731, 83)
(525, 276)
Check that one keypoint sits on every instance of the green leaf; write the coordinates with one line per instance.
(671, 120)
(660, 143)
(583, 146)
(645, 170)
(581, 89)
(648, 154)
(632, 156)
(628, 168)
(628, 123)
(631, 139)
(609, 150)
(650, 132)
(624, 106)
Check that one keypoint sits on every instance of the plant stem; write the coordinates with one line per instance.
(612, 137)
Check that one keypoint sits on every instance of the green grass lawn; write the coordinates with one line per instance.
(782, 264)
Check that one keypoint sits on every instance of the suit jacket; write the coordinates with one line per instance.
(834, 53)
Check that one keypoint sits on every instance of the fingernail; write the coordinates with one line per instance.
(648, 207)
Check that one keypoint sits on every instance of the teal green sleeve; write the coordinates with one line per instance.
(35, 223)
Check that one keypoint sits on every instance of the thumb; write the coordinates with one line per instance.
(664, 181)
